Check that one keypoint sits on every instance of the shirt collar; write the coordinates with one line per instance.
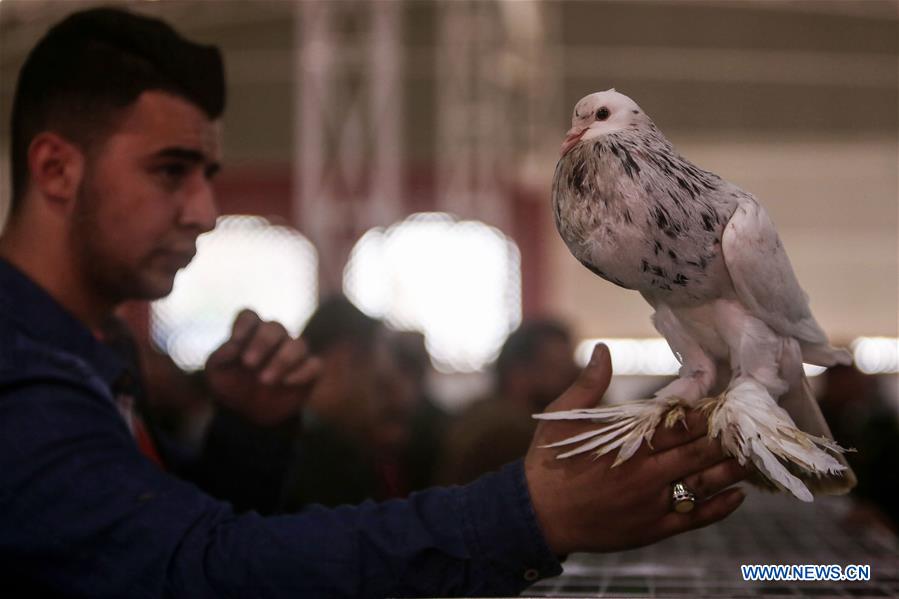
(43, 319)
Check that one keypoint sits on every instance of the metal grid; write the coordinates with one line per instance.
(768, 529)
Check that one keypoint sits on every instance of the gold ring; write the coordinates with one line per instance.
(683, 499)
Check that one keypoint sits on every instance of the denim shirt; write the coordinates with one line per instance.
(84, 513)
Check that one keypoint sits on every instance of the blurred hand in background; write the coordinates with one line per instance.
(261, 372)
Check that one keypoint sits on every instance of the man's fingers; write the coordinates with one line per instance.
(244, 324)
(590, 385)
(713, 480)
(267, 339)
(306, 373)
(706, 512)
(288, 356)
(693, 426)
(683, 460)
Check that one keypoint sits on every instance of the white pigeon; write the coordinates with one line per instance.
(707, 258)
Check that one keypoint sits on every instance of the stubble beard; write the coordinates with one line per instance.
(106, 276)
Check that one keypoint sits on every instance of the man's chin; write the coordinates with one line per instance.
(155, 288)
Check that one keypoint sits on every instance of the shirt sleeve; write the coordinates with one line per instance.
(84, 513)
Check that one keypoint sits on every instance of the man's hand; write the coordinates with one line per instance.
(585, 504)
(261, 372)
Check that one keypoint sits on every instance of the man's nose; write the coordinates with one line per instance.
(200, 209)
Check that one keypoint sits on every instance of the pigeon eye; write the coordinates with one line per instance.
(602, 114)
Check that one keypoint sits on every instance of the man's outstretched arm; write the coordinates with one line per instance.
(83, 512)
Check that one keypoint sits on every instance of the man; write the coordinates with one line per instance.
(355, 420)
(535, 365)
(427, 421)
(115, 140)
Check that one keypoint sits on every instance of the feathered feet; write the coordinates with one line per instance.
(750, 424)
(628, 425)
(753, 428)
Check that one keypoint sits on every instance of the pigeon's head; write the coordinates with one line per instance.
(599, 114)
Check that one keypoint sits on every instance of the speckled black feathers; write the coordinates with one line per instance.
(636, 213)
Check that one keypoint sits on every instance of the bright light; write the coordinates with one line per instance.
(876, 355)
(246, 262)
(634, 356)
(651, 356)
(458, 282)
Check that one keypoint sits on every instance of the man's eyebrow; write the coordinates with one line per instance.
(187, 154)
(190, 155)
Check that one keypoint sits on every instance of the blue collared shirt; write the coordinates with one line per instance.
(84, 513)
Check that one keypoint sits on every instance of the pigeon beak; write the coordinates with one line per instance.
(572, 137)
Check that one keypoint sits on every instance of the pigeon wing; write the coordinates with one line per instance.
(763, 276)
(767, 286)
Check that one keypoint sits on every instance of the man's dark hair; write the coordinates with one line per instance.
(337, 320)
(522, 344)
(410, 352)
(95, 63)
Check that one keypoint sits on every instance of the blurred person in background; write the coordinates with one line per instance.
(357, 419)
(535, 365)
(860, 417)
(115, 140)
(427, 428)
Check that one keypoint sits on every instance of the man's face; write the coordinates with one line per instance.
(145, 198)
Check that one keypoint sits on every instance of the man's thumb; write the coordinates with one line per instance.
(590, 386)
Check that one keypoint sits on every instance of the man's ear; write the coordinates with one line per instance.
(56, 167)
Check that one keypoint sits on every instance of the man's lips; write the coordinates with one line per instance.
(178, 258)
(572, 137)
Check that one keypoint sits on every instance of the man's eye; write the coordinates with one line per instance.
(173, 171)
